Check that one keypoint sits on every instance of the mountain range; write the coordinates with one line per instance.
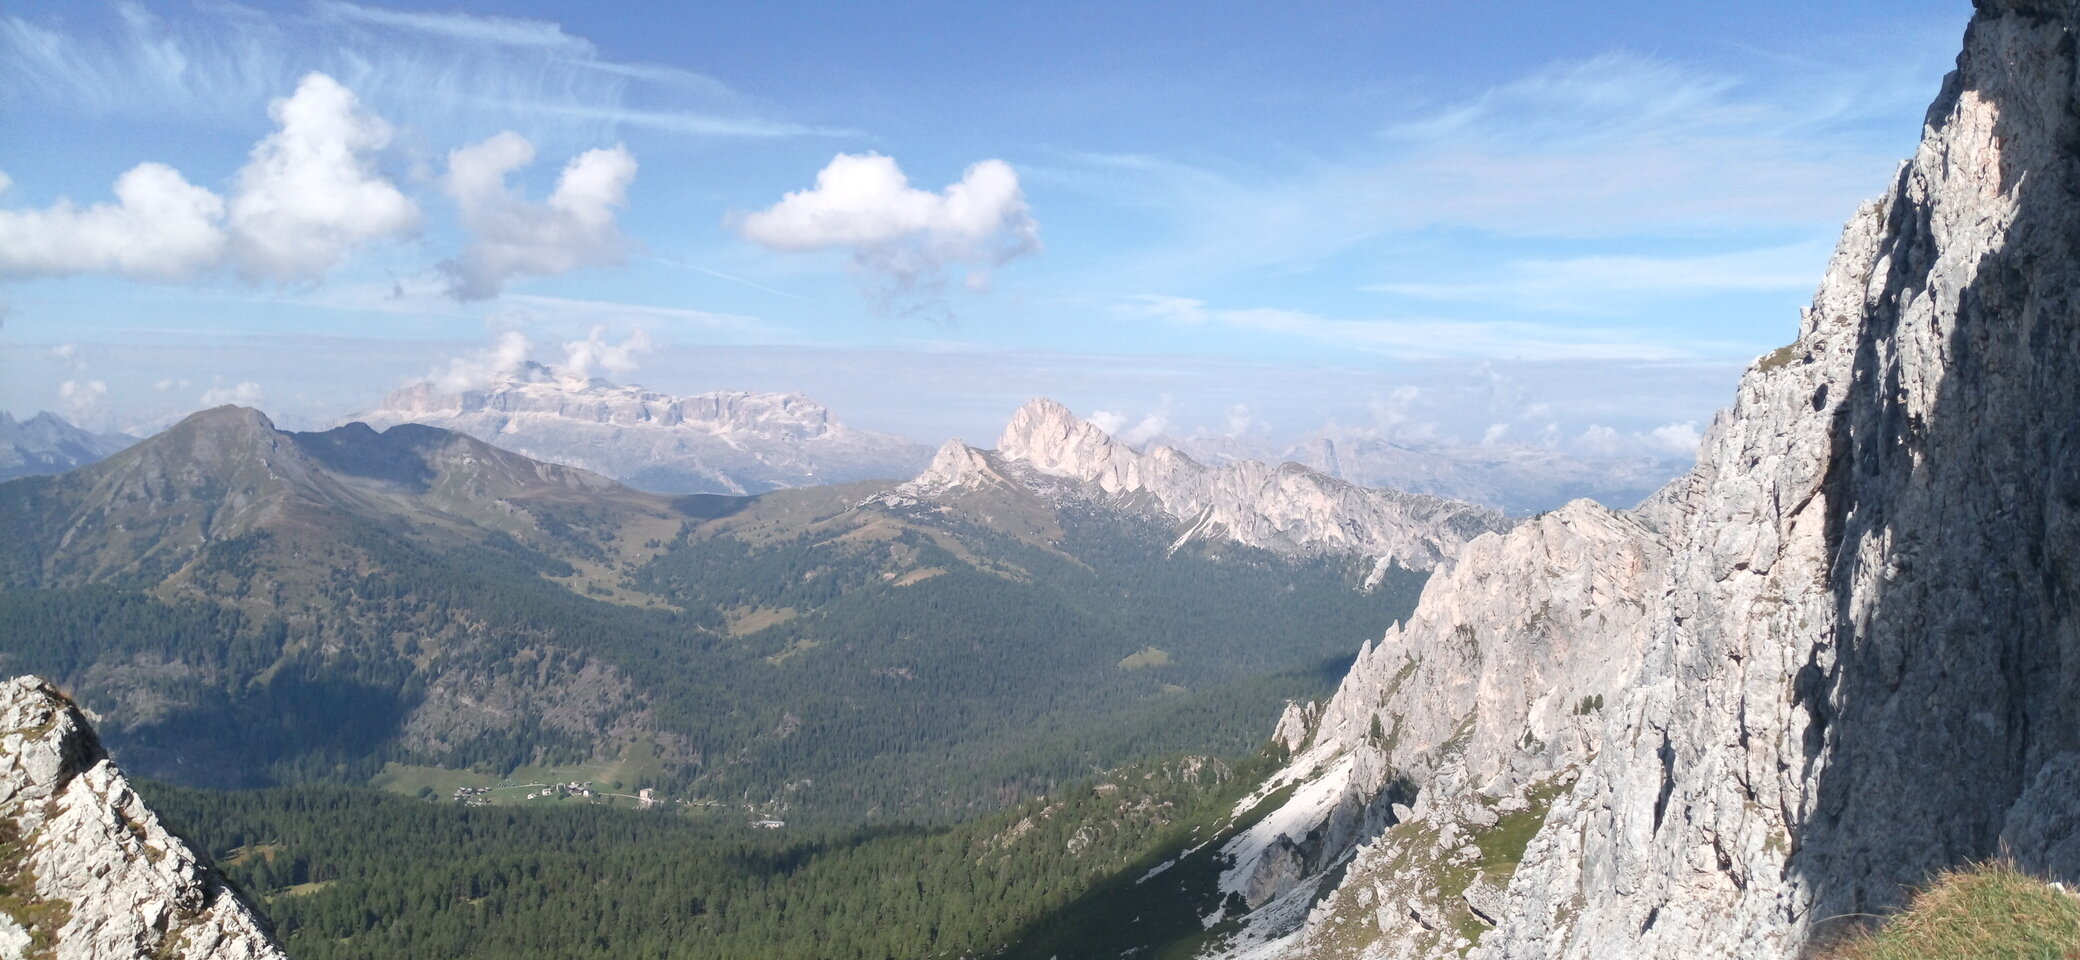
(223, 592)
(1519, 479)
(1288, 508)
(731, 442)
(47, 443)
(1743, 718)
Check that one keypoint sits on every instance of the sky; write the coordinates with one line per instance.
(1562, 225)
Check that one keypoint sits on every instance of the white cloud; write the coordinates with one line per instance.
(67, 355)
(308, 196)
(1108, 421)
(581, 358)
(245, 393)
(1394, 415)
(903, 239)
(80, 399)
(311, 192)
(1677, 438)
(161, 227)
(1149, 427)
(475, 371)
(510, 236)
(1240, 421)
(1673, 440)
(164, 384)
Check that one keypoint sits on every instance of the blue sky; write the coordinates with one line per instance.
(1569, 225)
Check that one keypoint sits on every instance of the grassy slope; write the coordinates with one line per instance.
(1992, 911)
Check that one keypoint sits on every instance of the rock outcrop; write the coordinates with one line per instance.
(1868, 666)
(732, 442)
(87, 872)
(1286, 507)
(1464, 716)
(1840, 655)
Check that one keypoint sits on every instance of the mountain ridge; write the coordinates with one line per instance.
(1286, 507)
(727, 442)
(47, 443)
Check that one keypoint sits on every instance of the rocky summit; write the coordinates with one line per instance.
(1286, 507)
(87, 871)
(731, 442)
(1837, 657)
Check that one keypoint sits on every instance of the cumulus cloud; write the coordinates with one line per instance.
(161, 227)
(474, 371)
(80, 399)
(311, 191)
(1240, 421)
(244, 393)
(308, 195)
(581, 358)
(1672, 440)
(67, 355)
(1677, 438)
(1149, 427)
(510, 236)
(902, 239)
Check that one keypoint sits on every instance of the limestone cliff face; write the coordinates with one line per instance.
(1869, 664)
(1467, 713)
(1849, 654)
(1286, 507)
(89, 871)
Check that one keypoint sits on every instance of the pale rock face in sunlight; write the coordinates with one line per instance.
(1286, 507)
(127, 887)
(731, 442)
(1833, 660)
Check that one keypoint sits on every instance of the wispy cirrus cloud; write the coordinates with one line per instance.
(1614, 146)
(1594, 284)
(1420, 338)
(423, 69)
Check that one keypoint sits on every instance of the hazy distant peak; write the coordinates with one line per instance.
(1286, 507)
(47, 443)
(723, 441)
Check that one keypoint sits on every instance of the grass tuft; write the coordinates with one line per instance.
(1990, 911)
(1781, 356)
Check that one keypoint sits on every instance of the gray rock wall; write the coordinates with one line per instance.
(89, 872)
(1861, 662)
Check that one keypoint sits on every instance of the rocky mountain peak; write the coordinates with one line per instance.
(1287, 507)
(955, 466)
(90, 871)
